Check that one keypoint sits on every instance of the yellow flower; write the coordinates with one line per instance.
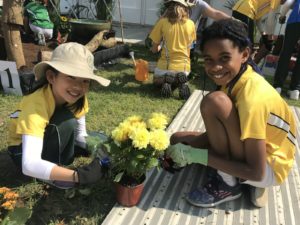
(157, 121)
(10, 195)
(4, 190)
(140, 138)
(134, 119)
(159, 140)
(9, 205)
(64, 19)
(119, 134)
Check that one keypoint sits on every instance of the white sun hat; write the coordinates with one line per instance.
(72, 59)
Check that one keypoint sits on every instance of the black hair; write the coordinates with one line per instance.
(231, 29)
(76, 107)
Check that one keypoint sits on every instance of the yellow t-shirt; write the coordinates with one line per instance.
(33, 115)
(265, 115)
(177, 38)
(255, 9)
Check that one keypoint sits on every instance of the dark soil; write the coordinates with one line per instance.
(31, 50)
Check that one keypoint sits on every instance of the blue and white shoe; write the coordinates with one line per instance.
(215, 192)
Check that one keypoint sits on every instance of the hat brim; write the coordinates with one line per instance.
(178, 1)
(71, 70)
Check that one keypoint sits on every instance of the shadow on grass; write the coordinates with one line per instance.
(55, 208)
(50, 204)
(10, 176)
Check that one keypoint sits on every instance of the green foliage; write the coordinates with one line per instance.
(18, 216)
(136, 144)
(64, 25)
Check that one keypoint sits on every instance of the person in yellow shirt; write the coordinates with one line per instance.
(251, 11)
(50, 121)
(250, 133)
(174, 34)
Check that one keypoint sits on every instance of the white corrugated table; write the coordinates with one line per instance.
(163, 202)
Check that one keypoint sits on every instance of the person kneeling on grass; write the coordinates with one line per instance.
(48, 126)
(250, 130)
(177, 33)
(37, 17)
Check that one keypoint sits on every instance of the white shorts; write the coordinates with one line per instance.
(159, 72)
(47, 32)
(268, 181)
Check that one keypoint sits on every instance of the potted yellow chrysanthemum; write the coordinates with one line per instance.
(134, 148)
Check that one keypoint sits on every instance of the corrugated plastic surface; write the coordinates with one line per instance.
(163, 202)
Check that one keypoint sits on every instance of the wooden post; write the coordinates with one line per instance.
(11, 22)
(121, 21)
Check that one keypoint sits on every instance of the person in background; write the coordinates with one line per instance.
(48, 126)
(249, 139)
(174, 34)
(203, 9)
(200, 11)
(251, 12)
(37, 17)
(291, 37)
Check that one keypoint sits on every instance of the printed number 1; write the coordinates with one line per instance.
(10, 82)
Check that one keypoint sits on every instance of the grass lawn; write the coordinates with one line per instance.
(108, 106)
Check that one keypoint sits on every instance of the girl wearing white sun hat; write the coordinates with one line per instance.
(49, 124)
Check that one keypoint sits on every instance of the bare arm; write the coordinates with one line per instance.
(253, 168)
(63, 174)
(214, 13)
(254, 151)
(192, 138)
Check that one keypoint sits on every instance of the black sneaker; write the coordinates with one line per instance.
(184, 91)
(169, 78)
(214, 193)
(181, 78)
(166, 90)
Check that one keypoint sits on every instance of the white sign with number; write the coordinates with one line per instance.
(9, 78)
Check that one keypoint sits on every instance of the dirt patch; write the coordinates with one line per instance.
(31, 49)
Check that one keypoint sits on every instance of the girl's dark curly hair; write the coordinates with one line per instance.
(231, 29)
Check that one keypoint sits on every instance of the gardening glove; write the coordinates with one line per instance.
(91, 173)
(183, 155)
(168, 164)
(282, 19)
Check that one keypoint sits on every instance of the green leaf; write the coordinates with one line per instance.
(140, 156)
(70, 193)
(118, 177)
(85, 191)
(152, 163)
(18, 216)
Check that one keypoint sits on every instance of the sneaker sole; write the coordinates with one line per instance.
(229, 198)
(260, 200)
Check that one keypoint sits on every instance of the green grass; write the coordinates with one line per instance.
(108, 106)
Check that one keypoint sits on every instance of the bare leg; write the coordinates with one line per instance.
(222, 125)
